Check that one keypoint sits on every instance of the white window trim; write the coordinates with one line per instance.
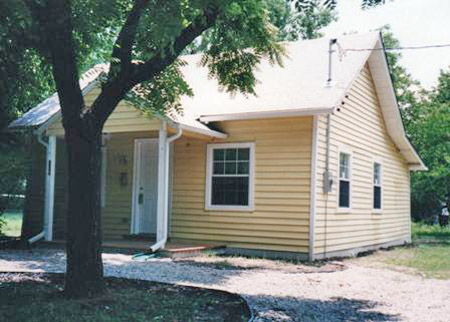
(375, 210)
(209, 160)
(346, 150)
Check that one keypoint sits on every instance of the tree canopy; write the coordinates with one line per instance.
(428, 126)
(426, 116)
(142, 40)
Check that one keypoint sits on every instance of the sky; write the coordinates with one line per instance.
(413, 22)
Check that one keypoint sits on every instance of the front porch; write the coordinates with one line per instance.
(135, 183)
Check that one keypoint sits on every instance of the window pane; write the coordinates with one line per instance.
(219, 154)
(377, 197)
(219, 167)
(244, 154)
(344, 165)
(231, 191)
(344, 194)
(230, 154)
(243, 167)
(377, 174)
(230, 167)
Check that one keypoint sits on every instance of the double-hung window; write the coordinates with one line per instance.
(230, 176)
(344, 192)
(377, 188)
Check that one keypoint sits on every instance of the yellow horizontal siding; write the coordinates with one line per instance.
(359, 125)
(125, 118)
(280, 221)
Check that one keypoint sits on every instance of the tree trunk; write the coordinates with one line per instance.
(84, 276)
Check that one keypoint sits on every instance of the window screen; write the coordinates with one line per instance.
(344, 180)
(230, 176)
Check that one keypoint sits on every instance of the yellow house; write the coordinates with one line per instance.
(315, 165)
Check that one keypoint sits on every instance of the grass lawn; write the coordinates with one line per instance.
(13, 223)
(431, 260)
(423, 232)
(429, 255)
(38, 298)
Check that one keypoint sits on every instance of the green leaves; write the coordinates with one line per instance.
(163, 93)
(428, 125)
(241, 38)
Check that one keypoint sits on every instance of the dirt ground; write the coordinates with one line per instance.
(348, 290)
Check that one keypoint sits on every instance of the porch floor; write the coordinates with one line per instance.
(172, 248)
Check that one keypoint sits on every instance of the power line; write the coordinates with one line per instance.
(397, 48)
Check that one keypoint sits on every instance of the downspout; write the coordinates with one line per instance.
(161, 243)
(41, 235)
(328, 180)
(327, 176)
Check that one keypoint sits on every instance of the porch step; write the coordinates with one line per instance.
(173, 250)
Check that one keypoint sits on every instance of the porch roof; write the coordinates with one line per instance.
(45, 113)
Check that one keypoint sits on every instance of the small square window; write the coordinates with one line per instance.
(243, 167)
(230, 167)
(230, 154)
(219, 168)
(244, 154)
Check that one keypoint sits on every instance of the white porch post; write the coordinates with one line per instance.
(160, 222)
(49, 188)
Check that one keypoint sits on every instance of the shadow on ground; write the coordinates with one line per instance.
(336, 309)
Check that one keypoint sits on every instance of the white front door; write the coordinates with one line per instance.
(145, 193)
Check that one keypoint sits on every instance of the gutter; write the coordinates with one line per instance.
(265, 114)
(161, 243)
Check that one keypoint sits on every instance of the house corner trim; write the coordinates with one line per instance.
(313, 184)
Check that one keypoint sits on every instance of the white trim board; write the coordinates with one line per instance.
(266, 114)
(313, 186)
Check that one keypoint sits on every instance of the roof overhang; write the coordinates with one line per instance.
(87, 87)
(266, 114)
(379, 69)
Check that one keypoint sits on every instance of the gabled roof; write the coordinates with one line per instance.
(50, 110)
(297, 88)
(50, 107)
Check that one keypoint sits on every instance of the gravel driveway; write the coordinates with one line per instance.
(278, 291)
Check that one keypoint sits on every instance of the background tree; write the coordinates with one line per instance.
(149, 37)
(429, 128)
(426, 115)
(303, 23)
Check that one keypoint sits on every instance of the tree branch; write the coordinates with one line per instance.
(124, 43)
(54, 19)
(162, 59)
(113, 92)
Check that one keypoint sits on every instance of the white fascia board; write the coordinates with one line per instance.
(266, 114)
(391, 113)
(175, 124)
(211, 133)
